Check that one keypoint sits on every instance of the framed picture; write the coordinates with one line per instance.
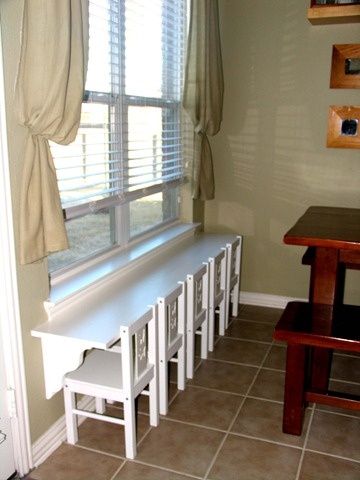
(315, 3)
(345, 66)
(343, 127)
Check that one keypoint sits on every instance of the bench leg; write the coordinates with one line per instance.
(321, 366)
(294, 389)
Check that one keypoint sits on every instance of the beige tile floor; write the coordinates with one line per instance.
(226, 425)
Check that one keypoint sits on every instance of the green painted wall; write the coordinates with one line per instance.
(271, 162)
(32, 279)
(270, 158)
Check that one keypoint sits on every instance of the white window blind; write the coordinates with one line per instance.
(129, 141)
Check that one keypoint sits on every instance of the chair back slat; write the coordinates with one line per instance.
(141, 351)
(172, 320)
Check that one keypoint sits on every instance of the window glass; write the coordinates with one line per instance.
(119, 178)
(143, 48)
(147, 212)
(88, 236)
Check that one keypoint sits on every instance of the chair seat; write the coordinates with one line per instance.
(101, 368)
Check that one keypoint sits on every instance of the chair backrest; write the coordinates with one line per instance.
(217, 280)
(138, 347)
(233, 266)
(198, 294)
(172, 314)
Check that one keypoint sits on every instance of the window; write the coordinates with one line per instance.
(120, 177)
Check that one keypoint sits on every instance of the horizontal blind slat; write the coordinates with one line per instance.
(130, 131)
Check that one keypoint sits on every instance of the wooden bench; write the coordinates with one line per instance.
(296, 328)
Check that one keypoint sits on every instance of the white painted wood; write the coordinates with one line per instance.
(117, 376)
(153, 393)
(56, 363)
(56, 434)
(15, 449)
(93, 318)
(217, 292)
(266, 300)
(171, 328)
(117, 262)
(233, 252)
(197, 315)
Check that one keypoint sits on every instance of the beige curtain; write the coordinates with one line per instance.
(48, 96)
(204, 90)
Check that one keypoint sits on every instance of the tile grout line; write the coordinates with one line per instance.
(303, 450)
(118, 470)
(212, 463)
(332, 455)
(165, 469)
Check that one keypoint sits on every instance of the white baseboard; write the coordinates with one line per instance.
(266, 300)
(53, 438)
(56, 434)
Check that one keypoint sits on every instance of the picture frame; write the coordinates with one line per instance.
(319, 3)
(343, 127)
(345, 66)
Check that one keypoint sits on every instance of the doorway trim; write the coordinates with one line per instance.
(10, 322)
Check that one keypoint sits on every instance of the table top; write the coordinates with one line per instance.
(331, 227)
(97, 318)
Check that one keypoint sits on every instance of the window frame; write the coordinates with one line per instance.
(120, 230)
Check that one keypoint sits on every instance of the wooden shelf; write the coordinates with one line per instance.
(325, 15)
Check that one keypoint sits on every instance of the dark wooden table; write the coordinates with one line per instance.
(333, 237)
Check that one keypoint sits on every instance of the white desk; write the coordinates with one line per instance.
(94, 319)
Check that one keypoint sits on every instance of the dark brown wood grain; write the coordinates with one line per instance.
(333, 237)
(309, 328)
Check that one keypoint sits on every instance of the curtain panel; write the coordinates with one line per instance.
(48, 97)
(204, 90)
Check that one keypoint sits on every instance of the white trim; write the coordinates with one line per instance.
(80, 282)
(56, 434)
(266, 300)
(9, 304)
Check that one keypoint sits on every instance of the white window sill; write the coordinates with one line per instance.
(118, 262)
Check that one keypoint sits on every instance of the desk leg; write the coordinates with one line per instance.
(326, 288)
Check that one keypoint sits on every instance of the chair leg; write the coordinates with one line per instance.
(181, 366)
(190, 349)
(70, 417)
(163, 386)
(99, 405)
(130, 429)
(235, 300)
(204, 339)
(211, 328)
(153, 403)
(294, 389)
(222, 317)
(227, 302)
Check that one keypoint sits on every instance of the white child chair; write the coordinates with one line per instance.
(197, 315)
(217, 295)
(118, 377)
(233, 254)
(171, 327)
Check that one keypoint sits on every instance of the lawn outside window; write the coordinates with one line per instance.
(120, 179)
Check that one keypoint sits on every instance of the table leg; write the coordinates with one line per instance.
(326, 288)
